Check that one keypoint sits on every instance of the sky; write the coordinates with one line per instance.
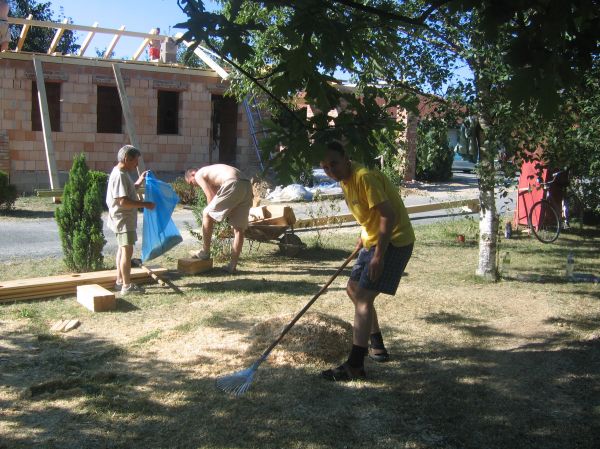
(136, 15)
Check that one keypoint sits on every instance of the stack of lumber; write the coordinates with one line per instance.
(47, 287)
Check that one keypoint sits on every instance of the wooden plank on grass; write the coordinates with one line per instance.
(194, 266)
(21, 289)
(96, 298)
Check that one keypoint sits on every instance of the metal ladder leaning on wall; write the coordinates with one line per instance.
(257, 132)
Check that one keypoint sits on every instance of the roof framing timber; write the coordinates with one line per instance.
(60, 28)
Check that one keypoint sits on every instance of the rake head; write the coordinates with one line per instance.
(237, 383)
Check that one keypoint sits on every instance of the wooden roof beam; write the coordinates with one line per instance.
(145, 43)
(73, 27)
(113, 43)
(24, 32)
(205, 58)
(87, 40)
(59, 32)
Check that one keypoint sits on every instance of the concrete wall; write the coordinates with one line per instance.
(167, 155)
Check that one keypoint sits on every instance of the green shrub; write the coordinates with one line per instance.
(434, 156)
(101, 179)
(220, 247)
(79, 219)
(8, 193)
(188, 194)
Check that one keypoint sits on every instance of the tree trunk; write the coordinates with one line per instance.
(488, 234)
(488, 218)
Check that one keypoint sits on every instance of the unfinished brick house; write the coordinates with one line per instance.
(178, 115)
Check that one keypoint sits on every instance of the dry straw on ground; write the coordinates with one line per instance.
(316, 338)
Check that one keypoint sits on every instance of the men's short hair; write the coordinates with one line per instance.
(189, 173)
(128, 152)
(337, 147)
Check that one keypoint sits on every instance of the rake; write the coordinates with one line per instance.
(238, 383)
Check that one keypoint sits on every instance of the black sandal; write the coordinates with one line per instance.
(344, 373)
(381, 356)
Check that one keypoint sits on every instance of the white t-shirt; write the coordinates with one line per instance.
(120, 185)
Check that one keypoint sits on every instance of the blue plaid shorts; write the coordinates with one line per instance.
(395, 261)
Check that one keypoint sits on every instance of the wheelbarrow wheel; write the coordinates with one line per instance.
(290, 244)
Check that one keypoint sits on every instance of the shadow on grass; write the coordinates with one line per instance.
(242, 286)
(448, 397)
(465, 324)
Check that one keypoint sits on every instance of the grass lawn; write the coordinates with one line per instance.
(513, 364)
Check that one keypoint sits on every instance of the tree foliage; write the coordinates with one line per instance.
(434, 156)
(79, 219)
(522, 56)
(38, 38)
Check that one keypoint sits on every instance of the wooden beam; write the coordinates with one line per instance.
(145, 43)
(204, 57)
(87, 40)
(71, 26)
(46, 287)
(24, 31)
(59, 32)
(46, 127)
(129, 124)
(113, 43)
(471, 205)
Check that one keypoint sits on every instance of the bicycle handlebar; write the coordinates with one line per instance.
(544, 185)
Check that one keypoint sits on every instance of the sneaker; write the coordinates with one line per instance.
(133, 289)
(200, 255)
(118, 286)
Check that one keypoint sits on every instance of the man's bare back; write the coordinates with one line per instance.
(216, 175)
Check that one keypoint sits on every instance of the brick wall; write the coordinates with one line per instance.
(4, 155)
(168, 155)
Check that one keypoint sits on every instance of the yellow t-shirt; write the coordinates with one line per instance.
(364, 190)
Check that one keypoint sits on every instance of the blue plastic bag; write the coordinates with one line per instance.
(160, 233)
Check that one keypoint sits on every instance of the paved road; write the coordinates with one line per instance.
(38, 237)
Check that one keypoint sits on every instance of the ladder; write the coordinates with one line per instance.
(257, 132)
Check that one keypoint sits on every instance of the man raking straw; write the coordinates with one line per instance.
(386, 244)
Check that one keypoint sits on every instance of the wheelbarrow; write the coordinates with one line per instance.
(274, 224)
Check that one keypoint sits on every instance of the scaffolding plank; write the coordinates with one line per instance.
(129, 124)
(46, 127)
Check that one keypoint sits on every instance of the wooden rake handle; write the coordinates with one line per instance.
(267, 351)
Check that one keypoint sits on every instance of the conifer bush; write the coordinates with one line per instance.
(79, 219)
(8, 193)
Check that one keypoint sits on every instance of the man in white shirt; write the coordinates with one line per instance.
(123, 204)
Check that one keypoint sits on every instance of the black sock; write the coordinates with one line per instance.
(357, 356)
(377, 341)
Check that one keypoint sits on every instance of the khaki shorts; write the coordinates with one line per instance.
(126, 238)
(4, 32)
(232, 201)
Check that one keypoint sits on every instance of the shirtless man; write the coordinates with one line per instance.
(4, 28)
(229, 195)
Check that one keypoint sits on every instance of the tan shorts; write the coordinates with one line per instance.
(232, 201)
(126, 238)
(4, 32)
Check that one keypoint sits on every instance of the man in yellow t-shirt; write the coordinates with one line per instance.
(386, 244)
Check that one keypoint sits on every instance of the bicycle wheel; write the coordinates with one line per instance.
(544, 221)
